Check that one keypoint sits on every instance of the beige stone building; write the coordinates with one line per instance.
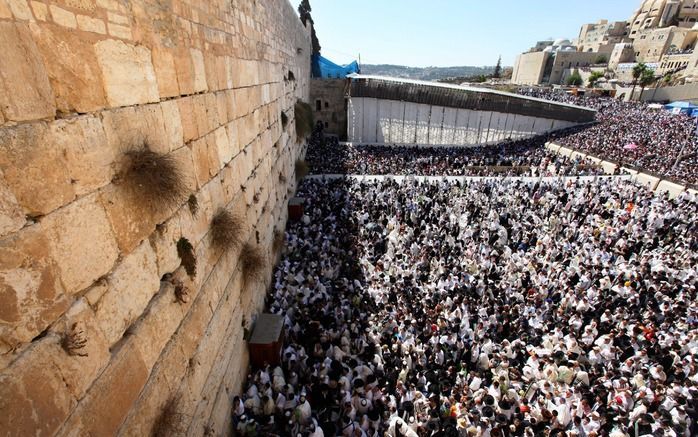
(654, 14)
(651, 44)
(548, 67)
(602, 36)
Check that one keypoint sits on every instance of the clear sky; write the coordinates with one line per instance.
(444, 33)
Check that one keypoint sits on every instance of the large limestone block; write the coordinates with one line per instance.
(131, 224)
(188, 118)
(82, 367)
(88, 155)
(173, 124)
(131, 128)
(131, 286)
(25, 92)
(11, 215)
(72, 68)
(34, 399)
(81, 242)
(103, 409)
(164, 242)
(31, 291)
(199, 70)
(185, 70)
(202, 163)
(165, 71)
(127, 72)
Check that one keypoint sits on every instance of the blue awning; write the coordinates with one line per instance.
(326, 69)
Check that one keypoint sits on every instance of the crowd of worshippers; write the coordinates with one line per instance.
(632, 133)
(482, 308)
(511, 158)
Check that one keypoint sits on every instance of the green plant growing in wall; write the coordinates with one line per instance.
(226, 230)
(304, 119)
(253, 262)
(575, 79)
(594, 78)
(186, 253)
(155, 181)
(302, 169)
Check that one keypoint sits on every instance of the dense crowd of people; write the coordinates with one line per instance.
(523, 158)
(482, 308)
(633, 133)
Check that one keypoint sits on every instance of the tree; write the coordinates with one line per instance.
(638, 70)
(498, 69)
(575, 79)
(595, 76)
(647, 78)
(304, 10)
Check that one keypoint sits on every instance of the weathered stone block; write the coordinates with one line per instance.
(34, 398)
(173, 124)
(109, 399)
(186, 111)
(88, 155)
(78, 371)
(30, 287)
(202, 165)
(72, 68)
(131, 224)
(164, 243)
(127, 72)
(11, 215)
(20, 9)
(40, 10)
(185, 70)
(34, 169)
(119, 31)
(5, 11)
(25, 92)
(199, 70)
(63, 17)
(131, 286)
(89, 24)
(81, 242)
(165, 71)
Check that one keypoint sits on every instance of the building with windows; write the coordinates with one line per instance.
(651, 45)
(547, 67)
(602, 36)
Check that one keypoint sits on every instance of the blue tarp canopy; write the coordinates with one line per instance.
(683, 107)
(326, 69)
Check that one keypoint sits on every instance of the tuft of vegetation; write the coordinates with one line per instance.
(170, 422)
(155, 181)
(193, 203)
(302, 169)
(594, 78)
(253, 262)
(575, 79)
(291, 76)
(226, 230)
(186, 253)
(304, 119)
(181, 292)
(75, 340)
(284, 119)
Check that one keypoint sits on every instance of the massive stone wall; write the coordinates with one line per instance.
(93, 341)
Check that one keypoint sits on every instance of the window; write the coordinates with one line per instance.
(327, 104)
(318, 105)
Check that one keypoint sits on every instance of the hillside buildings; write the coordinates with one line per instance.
(661, 33)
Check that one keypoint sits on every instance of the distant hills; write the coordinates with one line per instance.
(426, 73)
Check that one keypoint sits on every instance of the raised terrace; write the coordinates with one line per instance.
(402, 111)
